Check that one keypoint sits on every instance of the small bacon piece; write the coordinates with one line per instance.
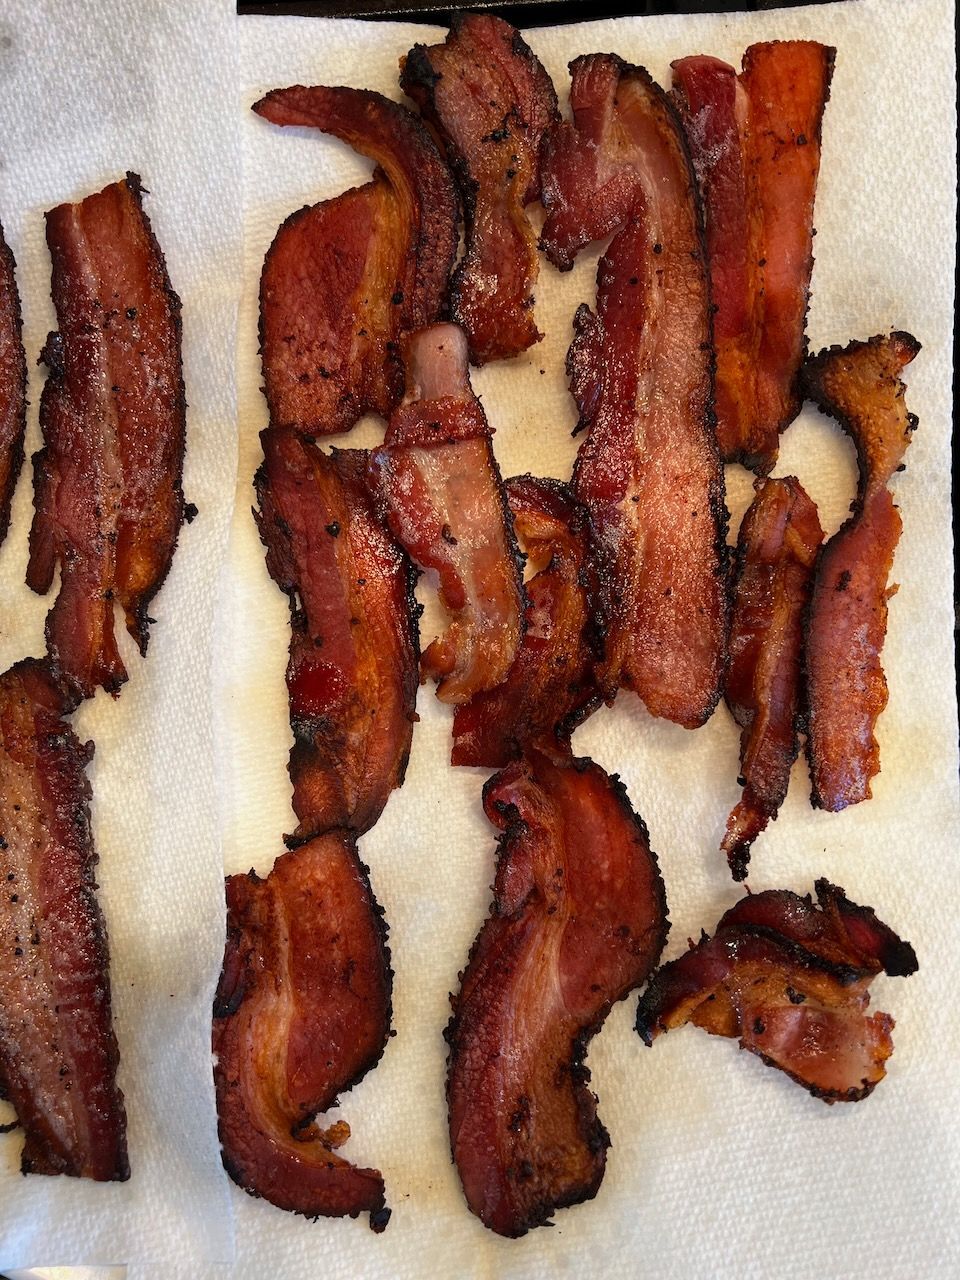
(352, 674)
(578, 920)
(107, 482)
(302, 1012)
(860, 386)
(441, 488)
(779, 540)
(791, 980)
(58, 1052)
(755, 141)
(13, 385)
(490, 99)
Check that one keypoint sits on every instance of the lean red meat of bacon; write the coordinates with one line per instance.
(58, 1052)
(490, 100)
(108, 498)
(13, 385)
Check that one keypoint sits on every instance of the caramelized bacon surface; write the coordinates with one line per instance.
(860, 386)
(779, 540)
(302, 1012)
(58, 1052)
(489, 98)
(13, 384)
(578, 920)
(791, 980)
(108, 498)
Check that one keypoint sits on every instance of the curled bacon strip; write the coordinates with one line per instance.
(302, 1012)
(860, 386)
(578, 920)
(108, 498)
(490, 99)
(13, 385)
(58, 1052)
(791, 980)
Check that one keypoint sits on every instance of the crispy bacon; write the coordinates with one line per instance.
(791, 980)
(578, 920)
(441, 488)
(58, 1052)
(755, 141)
(302, 1012)
(846, 688)
(13, 384)
(108, 498)
(491, 100)
(779, 540)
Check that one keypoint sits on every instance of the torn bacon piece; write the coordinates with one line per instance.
(441, 488)
(13, 385)
(108, 498)
(778, 544)
(58, 1052)
(860, 386)
(755, 141)
(791, 980)
(490, 99)
(302, 1012)
(578, 920)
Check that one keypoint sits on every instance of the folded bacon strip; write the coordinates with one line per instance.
(108, 498)
(13, 384)
(490, 99)
(302, 1012)
(58, 1052)
(778, 544)
(755, 141)
(860, 386)
(578, 920)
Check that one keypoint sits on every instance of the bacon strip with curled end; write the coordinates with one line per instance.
(108, 498)
(846, 689)
(491, 100)
(58, 1051)
(13, 384)
(302, 1012)
(578, 920)
(778, 544)
(791, 980)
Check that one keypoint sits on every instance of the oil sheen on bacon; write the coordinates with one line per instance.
(13, 385)
(755, 141)
(58, 1052)
(352, 675)
(860, 386)
(302, 1012)
(489, 98)
(578, 920)
(344, 278)
(790, 979)
(108, 498)
(440, 485)
(776, 551)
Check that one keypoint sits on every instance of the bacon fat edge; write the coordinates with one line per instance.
(13, 384)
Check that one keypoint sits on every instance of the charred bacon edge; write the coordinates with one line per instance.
(19, 389)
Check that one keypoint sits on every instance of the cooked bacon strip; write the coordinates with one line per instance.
(58, 1052)
(791, 980)
(490, 99)
(550, 687)
(302, 1012)
(13, 385)
(441, 487)
(108, 498)
(846, 688)
(578, 920)
(352, 674)
(755, 141)
(779, 540)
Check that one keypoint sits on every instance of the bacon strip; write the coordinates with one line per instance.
(302, 1012)
(860, 386)
(755, 141)
(490, 99)
(441, 488)
(779, 540)
(791, 980)
(13, 385)
(58, 1052)
(352, 674)
(578, 920)
(108, 498)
